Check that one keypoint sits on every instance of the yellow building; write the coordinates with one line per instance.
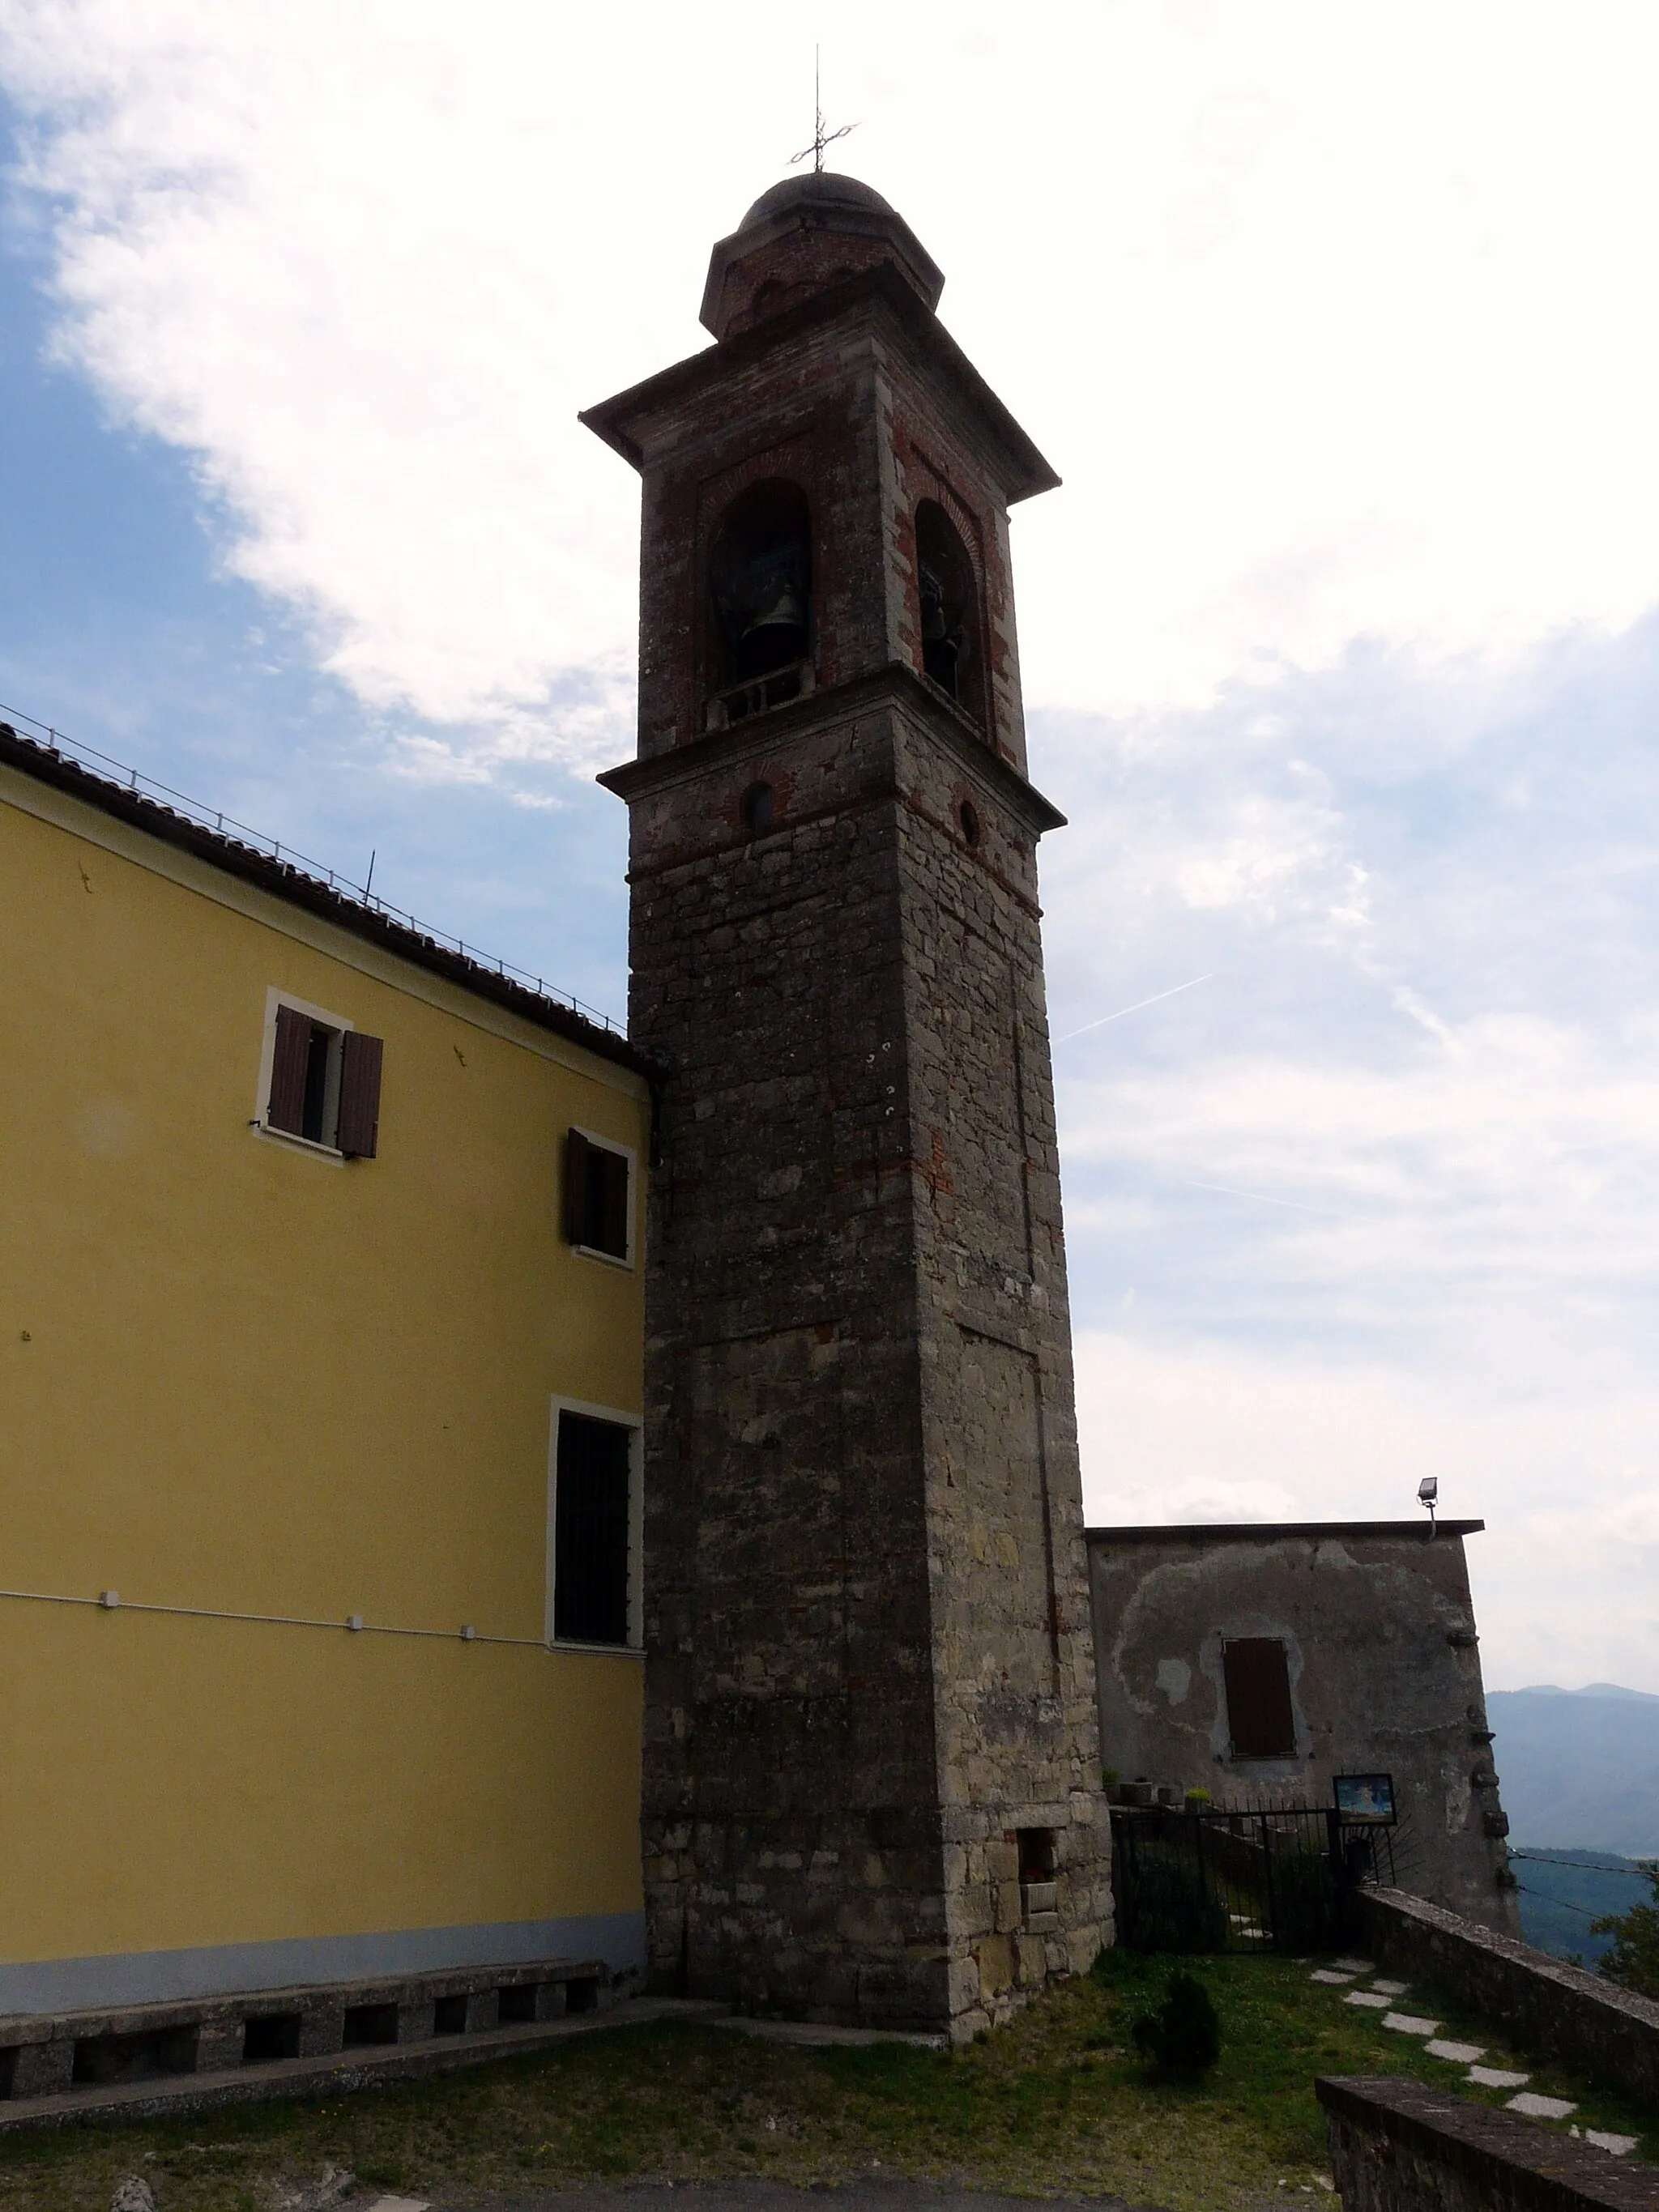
(320, 1353)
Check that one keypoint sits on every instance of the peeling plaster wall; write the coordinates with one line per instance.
(1384, 1669)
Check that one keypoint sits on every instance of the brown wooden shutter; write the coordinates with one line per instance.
(613, 1210)
(285, 1106)
(1258, 1679)
(360, 1094)
(576, 1149)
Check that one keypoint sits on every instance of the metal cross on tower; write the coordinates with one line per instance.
(820, 138)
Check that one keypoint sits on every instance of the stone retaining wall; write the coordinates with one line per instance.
(1398, 2146)
(1602, 2032)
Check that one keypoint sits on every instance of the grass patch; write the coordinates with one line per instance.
(1056, 2103)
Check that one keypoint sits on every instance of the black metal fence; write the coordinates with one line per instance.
(1279, 1878)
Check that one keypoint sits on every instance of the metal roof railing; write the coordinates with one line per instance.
(123, 778)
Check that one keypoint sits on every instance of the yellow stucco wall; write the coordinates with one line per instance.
(238, 1375)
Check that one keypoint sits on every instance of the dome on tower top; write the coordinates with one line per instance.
(814, 188)
(805, 234)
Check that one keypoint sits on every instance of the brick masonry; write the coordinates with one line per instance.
(870, 1662)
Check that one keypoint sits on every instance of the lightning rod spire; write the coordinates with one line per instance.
(820, 138)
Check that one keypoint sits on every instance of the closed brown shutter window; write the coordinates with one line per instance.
(360, 1095)
(576, 1149)
(613, 1204)
(1259, 1718)
(286, 1107)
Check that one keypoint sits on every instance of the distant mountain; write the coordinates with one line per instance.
(1579, 1767)
(1564, 1893)
(1590, 1690)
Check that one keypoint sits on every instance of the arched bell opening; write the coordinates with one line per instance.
(948, 592)
(760, 597)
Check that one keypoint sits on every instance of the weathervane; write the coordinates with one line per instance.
(820, 138)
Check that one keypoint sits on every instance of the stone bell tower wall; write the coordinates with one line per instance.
(1013, 1645)
(793, 1854)
(869, 1691)
(867, 1617)
(849, 407)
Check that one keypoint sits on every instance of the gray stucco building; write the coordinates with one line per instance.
(1259, 1661)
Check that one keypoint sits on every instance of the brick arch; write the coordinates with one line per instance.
(951, 609)
(793, 464)
(925, 481)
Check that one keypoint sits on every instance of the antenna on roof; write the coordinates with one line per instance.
(820, 138)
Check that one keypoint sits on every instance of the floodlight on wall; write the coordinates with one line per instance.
(1428, 1494)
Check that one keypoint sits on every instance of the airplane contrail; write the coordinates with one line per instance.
(1135, 1009)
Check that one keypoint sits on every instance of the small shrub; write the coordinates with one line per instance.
(1182, 2037)
(1633, 1961)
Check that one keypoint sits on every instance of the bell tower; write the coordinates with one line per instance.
(873, 1765)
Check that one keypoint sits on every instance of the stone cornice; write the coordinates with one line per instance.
(894, 685)
(1022, 470)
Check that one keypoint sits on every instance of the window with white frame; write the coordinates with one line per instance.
(321, 1079)
(593, 1529)
(599, 1196)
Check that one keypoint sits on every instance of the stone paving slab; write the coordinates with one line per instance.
(1604, 2139)
(1542, 2108)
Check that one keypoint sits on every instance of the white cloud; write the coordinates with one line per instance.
(1336, 325)
(1381, 1200)
(1333, 325)
(1568, 1482)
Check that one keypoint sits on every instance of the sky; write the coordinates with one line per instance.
(1341, 639)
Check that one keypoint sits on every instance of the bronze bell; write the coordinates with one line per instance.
(784, 611)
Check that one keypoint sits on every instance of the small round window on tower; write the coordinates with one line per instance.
(758, 808)
(968, 815)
